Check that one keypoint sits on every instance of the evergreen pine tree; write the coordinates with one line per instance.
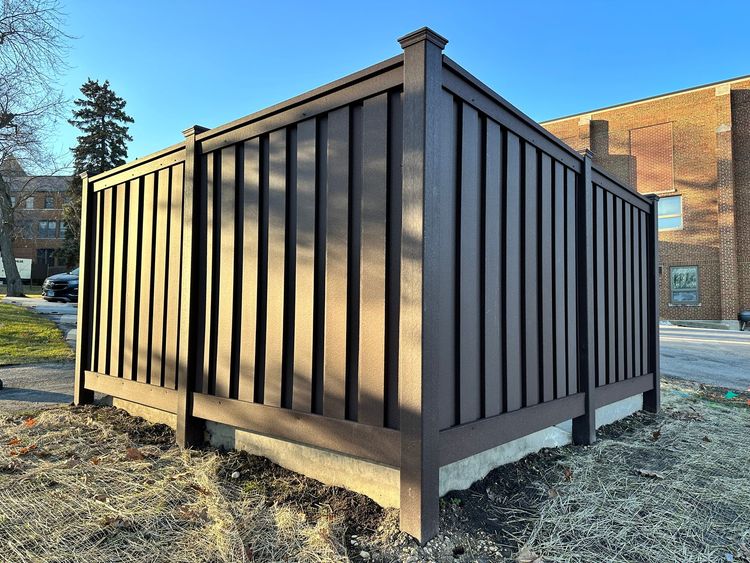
(100, 115)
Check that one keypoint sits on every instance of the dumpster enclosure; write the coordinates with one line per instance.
(385, 277)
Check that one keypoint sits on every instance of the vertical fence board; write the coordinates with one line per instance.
(105, 284)
(146, 287)
(571, 280)
(628, 289)
(531, 278)
(446, 354)
(547, 327)
(305, 266)
(171, 350)
(493, 224)
(96, 274)
(276, 261)
(610, 284)
(209, 230)
(160, 277)
(337, 217)
(620, 288)
(321, 225)
(130, 309)
(351, 392)
(372, 314)
(558, 282)
(601, 289)
(248, 320)
(393, 270)
(469, 288)
(645, 346)
(226, 259)
(118, 275)
(637, 321)
(513, 274)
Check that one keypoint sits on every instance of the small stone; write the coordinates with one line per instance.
(364, 555)
(236, 475)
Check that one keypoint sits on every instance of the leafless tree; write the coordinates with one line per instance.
(33, 46)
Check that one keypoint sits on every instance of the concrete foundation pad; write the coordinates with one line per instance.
(462, 474)
(151, 414)
(379, 482)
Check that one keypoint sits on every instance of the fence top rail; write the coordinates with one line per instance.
(319, 92)
(482, 87)
(138, 162)
(620, 189)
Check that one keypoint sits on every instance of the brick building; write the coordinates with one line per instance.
(39, 227)
(692, 148)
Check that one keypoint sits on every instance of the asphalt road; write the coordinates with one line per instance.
(37, 385)
(715, 357)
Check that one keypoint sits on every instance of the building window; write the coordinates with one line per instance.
(12, 201)
(652, 149)
(62, 229)
(670, 213)
(30, 202)
(45, 256)
(684, 285)
(25, 229)
(49, 202)
(47, 229)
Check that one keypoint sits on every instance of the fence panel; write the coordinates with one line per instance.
(514, 261)
(297, 230)
(621, 293)
(135, 275)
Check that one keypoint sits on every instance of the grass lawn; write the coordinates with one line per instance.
(26, 338)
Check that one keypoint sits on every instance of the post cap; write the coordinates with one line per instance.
(586, 153)
(423, 34)
(194, 130)
(83, 175)
(652, 197)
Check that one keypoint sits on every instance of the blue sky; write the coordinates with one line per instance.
(179, 63)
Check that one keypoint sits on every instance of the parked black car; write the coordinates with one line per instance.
(61, 287)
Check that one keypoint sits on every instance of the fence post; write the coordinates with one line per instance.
(81, 395)
(584, 426)
(652, 399)
(418, 392)
(189, 429)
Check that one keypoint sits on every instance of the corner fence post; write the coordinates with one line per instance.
(189, 429)
(81, 395)
(652, 398)
(418, 387)
(584, 426)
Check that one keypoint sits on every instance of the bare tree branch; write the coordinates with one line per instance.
(33, 46)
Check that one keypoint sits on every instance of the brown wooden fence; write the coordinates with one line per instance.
(398, 266)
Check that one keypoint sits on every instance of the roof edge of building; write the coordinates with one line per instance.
(648, 99)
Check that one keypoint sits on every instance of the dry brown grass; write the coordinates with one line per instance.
(677, 489)
(670, 487)
(93, 484)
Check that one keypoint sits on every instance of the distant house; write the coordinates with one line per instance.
(39, 225)
(692, 148)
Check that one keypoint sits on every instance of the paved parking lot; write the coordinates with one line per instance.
(715, 357)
